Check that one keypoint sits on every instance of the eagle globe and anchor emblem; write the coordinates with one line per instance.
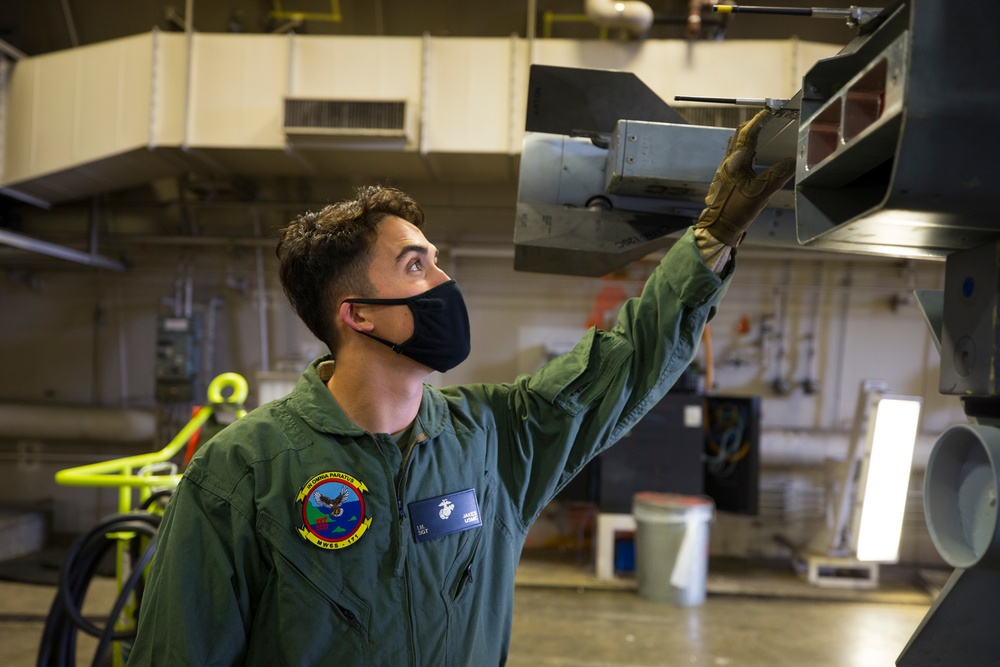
(333, 510)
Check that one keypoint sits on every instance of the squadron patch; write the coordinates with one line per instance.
(333, 510)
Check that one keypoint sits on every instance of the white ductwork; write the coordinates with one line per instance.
(51, 422)
(636, 17)
(113, 115)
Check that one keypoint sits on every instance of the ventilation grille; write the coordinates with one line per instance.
(724, 115)
(345, 117)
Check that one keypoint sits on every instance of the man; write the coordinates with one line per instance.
(370, 519)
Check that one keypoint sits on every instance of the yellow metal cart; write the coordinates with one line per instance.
(151, 474)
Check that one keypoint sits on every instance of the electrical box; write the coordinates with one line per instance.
(663, 452)
(732, 452)
(177, 358)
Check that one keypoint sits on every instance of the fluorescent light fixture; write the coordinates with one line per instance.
(891, 437)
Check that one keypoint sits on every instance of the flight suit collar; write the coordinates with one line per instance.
(317, 407)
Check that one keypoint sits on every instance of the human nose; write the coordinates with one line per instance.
(438, 276)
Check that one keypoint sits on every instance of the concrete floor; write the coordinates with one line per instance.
(753, 617)
(562, 627)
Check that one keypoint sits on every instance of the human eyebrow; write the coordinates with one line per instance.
(413, 247)
(421, 250)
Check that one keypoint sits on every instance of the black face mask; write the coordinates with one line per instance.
(440, 337)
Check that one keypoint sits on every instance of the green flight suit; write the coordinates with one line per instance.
(234, 581)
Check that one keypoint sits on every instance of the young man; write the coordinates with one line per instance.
(370, 519)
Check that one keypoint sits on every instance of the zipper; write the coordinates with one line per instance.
(402, 520)
(351, 619)
(421, 437)
(402, 539)
(466, 578)
(467, 574)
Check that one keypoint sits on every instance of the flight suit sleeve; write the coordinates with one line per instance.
(579, 404)
(197, 605)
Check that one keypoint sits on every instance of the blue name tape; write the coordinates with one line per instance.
(444, 515)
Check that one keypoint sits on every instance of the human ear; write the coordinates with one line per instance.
(355, 316)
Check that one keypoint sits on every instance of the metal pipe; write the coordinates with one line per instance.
(53, 457)
(632, 15)
(154, 82)
(265, 345)
(210, 337)
(23, 242)
(202, 241)
(189, 291)
(8, 49)
(189, 33)
(75, 423)
(514, 133)
(177, 291)
(122, 347)
(287, 204)
(425, 92)
(845, 311)
(70, 24)
(334, 16)
(95, 223)
(810, 383)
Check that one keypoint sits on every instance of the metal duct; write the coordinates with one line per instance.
(52, 422)
(636, 17)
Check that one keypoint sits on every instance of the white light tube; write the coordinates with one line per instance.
(892, 439)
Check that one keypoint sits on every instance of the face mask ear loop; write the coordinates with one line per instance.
(378, 302)
(395, 347)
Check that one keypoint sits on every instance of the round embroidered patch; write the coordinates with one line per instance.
(333, 510)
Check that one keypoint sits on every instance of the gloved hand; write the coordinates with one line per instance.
(737, 195)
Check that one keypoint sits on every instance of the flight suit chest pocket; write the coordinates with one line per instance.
(305, 613)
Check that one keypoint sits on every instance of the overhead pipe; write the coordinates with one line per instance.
(70, 24)
(12, 51)
(631, 15)
(23, 242)
(333, 16)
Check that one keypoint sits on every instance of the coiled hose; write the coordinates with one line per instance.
(65, 620)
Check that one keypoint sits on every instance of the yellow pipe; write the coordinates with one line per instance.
(333, 17)
(118, 472)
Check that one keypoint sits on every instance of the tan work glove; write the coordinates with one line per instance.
(737, 195)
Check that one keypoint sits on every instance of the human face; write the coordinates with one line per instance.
(404, 264)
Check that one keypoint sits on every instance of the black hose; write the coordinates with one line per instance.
(153, 497)
(109, 635)
(58, 644)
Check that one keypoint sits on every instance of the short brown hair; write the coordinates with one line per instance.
(325, 255)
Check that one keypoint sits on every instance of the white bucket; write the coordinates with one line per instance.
(671, 546)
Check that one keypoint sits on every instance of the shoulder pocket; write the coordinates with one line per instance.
(577, 378)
